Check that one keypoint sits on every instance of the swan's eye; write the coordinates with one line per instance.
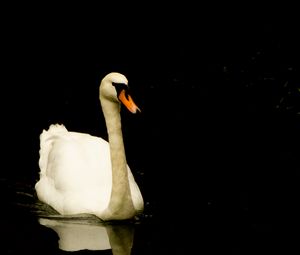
(119, 87)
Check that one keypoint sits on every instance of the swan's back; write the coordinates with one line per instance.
(75, 172)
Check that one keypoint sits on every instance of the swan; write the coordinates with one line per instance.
(85, 174)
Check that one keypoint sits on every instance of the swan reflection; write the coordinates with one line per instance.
(87, 234)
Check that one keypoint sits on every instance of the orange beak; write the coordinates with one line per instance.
(128, 102)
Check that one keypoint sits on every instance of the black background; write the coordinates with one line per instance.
(215, 146)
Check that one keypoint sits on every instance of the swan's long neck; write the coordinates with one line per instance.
(120, 204)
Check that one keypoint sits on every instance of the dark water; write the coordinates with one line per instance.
(215, 149)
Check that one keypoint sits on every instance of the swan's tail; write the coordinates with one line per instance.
(46, 139)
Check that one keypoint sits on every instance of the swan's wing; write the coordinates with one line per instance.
(46, 139)
(136, 194)
(75, 170)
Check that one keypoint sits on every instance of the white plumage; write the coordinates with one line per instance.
(76, 172)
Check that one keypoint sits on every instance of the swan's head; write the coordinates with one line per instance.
(114, 87)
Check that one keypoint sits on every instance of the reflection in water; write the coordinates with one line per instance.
(87, 234)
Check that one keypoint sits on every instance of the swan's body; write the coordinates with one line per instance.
(81, 173)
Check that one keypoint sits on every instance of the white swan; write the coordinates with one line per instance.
(81, 173)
